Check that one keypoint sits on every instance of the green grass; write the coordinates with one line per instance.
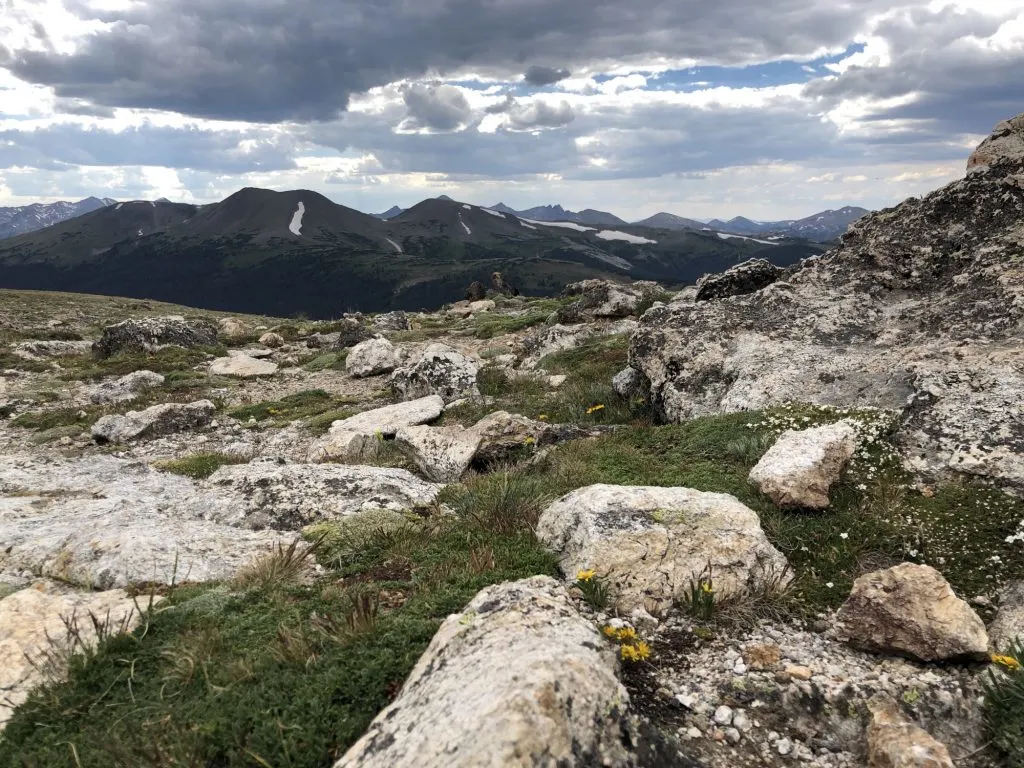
(1004, 705)
(59, 417)
(167, 360)
(307, 404)
(489, 325)
(198, 465)
(285, 673)
(328, 361)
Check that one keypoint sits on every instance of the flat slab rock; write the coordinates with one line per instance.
(32, 624)
(802, 465)
(242, 366)
(273, 494)
(518, 678)
(103, 522)
(910, 610)
(347, 438)
(650, 544)
(163, 419)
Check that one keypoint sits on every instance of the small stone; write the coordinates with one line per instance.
(732, 736)
(272, 340)
(742, 722)
(739, 667)
(693, 733)
(723, 715)
(784, 747)
(797, 672)
(762, 657)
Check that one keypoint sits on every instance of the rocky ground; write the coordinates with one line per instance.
(770, 520)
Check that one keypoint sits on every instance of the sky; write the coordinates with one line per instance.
(771, 109)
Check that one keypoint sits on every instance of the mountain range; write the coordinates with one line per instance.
(285, 252)
(28, 218)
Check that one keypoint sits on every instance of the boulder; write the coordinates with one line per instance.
(920, 309)
(372, 358)
(518, 678)
(232, 329)
(163, 419)
(442, 453)
(273, 494)
(910, 610)
(102, 522)
(895, 742)
(146, 333)
(748, 277)
(476, 291)
(349, 438)
(1005, 146)
(350, 333)
(441, 370)
(272, 340)
(484, 305)
(1008, 624)
(651, 544)
(802, 465)
(629, 383)
(35, 637)
(38, 350)
(126, 388)
(392, 321)
(503, 435)
(559, 338)
(242, 366)
(603, 298)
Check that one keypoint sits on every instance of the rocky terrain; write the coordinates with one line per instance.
(772, 519)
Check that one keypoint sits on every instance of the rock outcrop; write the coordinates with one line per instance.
(802, 465)
(39, 350)
(441, 370)
(272, 340)
(748, 277)
(242, 366)
(895, 742)
(442, 453)
(163, 419)
(126, 388)
(604, 299)
(392, 321)
(372, 358)
(232, 329)
(145, 334)
(910, 610)
(920, 310)
(1008, 625)
(349, 438)
(1004, 147)
(350, 332)
(518, 678)
(650, 545)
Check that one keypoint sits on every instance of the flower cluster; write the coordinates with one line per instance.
(631, 647)
(595, 408)
(1006, 662)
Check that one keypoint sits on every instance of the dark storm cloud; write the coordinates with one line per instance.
(219, 151)
(235, 59)
(438, 107)
(537, 75)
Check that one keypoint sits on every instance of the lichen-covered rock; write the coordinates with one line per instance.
(504, 435)
(102, 522)
(629, 383)
(272, 340)
(349, 438)
(919, 310)
(748, 277)
(284, 496)
(242, 366)
(38, 350)
(559, 338)
(144, 334)
(910, 610)
(126, 388)
(517, 679)
(479, 307)
(35, 636)
(802, 465)
(372, 358)
(1004, 146)
(442, 453)
(163, 419)
(895, 742)
(1008, 625)
(392, 321)
(603, 298)
(350, 333)
(232, 329)
(441, 370)
(651, 544)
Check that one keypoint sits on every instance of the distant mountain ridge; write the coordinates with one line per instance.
(280, 253)
(29, 218)
(820, 227)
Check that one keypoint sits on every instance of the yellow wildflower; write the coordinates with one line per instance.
(705, 587)
(529, 441)
(594, 409)
(609, 631)
(626, 633)
(643, 650)
(1007, 662)
(586, 574)
(542, 417)
(628, 653)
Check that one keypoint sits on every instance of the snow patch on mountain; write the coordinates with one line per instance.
(565, 224)
(609, 234)
(468, 230)
(296, 223)
(724, 236)
(493, 213)
(397, 246)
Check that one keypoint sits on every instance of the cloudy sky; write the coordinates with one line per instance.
(766, 108)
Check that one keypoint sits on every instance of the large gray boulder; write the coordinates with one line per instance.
(651, 544)
(504, 436)
(919, 310)
(103, 522)
(163, 419)
(802, 465)
(442, 453)
(748, 277)
(441, 370)
(350, 332)
(350, 438)
(372, 357)
(1004, 146)
(273, 494)
(146, 333)
(125, 388)
(604, 299)
(391, 321)
(910, 610)
(517, 679)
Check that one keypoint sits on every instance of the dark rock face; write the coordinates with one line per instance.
(351, 333)
(147, 333)
(502, 286)
(742, 279)
(919, 310)
(476, 291)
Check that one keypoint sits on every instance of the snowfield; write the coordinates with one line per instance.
(296, 224)
(468, 230)
(493, 213)
(724, 236)
(397, 246)
(610, 234)
(565, 224)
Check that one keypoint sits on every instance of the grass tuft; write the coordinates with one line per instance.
(198, 465)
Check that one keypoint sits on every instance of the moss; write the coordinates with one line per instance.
(166, 360)
(300, 405)
(328, 361)
(83, 418)
(198, 465)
